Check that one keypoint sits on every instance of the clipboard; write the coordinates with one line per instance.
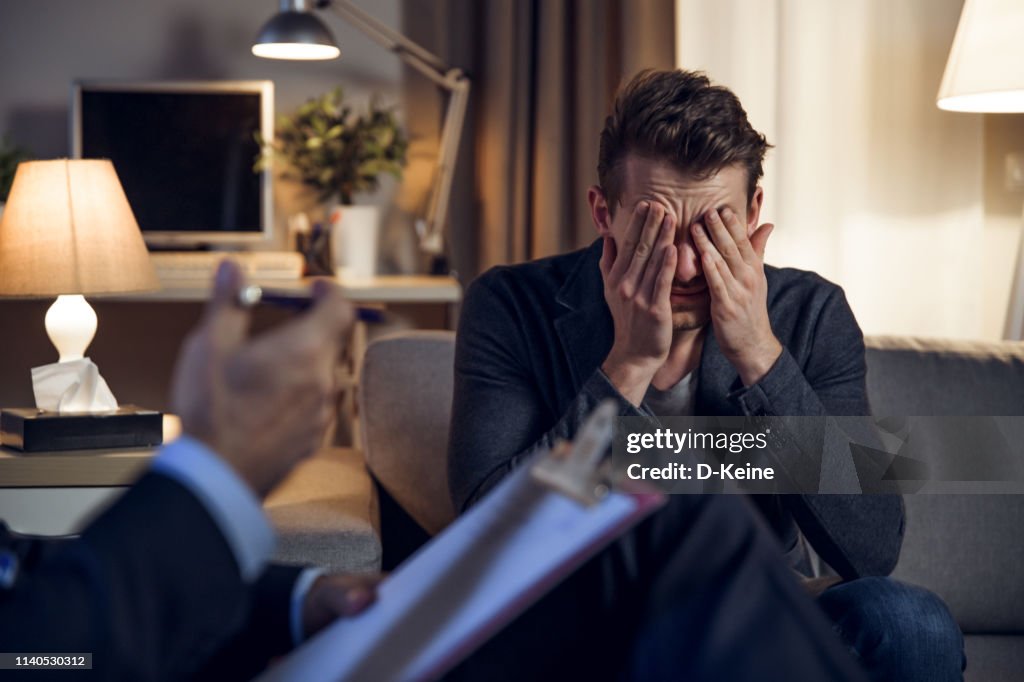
(461, 588)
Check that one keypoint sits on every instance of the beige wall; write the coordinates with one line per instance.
(46, 45)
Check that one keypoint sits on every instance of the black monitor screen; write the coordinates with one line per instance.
(185, 159)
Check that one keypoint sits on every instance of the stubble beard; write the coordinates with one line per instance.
(688, 318)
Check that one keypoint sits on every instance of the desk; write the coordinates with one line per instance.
(382, 290)
(325, 512)
(139, 335)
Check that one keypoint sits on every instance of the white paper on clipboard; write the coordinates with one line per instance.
(467, 583)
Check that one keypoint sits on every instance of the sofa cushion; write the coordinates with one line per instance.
(967, 548)
(405, 403)
(931, 377)
(325, 514)
(994, 658)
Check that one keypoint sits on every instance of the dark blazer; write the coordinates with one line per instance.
(151, 589)
(529, 348)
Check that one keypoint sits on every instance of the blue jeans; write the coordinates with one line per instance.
(897, 631)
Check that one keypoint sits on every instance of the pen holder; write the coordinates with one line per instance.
(315, 248)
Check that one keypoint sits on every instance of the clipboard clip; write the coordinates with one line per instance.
(573, 469)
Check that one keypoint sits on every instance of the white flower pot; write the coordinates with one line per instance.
(354, 233)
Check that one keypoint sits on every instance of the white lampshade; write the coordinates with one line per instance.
(985, 71)
(68, 229)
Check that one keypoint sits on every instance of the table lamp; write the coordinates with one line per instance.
(296, 33)
(985, 74)
(68, 231)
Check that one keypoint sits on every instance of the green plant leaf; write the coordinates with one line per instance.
(335, 151)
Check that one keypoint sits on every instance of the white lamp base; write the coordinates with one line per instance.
(71, 326)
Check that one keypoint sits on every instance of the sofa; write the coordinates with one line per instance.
(967, 548)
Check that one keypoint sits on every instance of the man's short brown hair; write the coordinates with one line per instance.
(680, 117)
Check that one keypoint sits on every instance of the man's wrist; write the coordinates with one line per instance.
(630, 379)
(758, 363)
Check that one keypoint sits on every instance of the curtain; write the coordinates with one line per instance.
(870, 184)
(544, 73)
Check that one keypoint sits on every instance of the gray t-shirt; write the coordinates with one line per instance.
(675, 401)
(680, 401)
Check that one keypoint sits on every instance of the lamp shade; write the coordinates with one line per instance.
(293, 34)
(68, 229)
(985, 70)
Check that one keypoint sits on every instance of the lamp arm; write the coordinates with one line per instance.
(431, 233)
(388, 38)
(446, 80)
(430, 230)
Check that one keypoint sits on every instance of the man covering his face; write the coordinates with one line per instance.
(672, 312)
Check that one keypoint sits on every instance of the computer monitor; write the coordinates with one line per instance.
(184, 152)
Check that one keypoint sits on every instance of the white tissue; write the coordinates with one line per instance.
(73, 386)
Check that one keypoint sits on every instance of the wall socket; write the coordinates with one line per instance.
(1015, 171)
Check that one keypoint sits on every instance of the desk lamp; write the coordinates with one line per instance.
(67, 231)
(985, 74)
(296, 33)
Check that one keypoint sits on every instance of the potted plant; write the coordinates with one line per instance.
(339, 153)
(10, 157)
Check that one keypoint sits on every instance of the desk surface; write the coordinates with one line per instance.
(78, 468)
(380, 289)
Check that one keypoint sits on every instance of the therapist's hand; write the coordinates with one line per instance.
(336, 596)
(261, 403)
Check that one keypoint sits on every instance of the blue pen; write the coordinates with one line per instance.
(253, 294)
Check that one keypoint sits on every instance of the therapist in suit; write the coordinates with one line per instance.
(172, 581)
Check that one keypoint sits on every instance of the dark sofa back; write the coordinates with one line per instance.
(967, 548)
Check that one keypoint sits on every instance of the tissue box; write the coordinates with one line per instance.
(33, 430)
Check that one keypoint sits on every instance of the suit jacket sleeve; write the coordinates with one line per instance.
(497, 408)
(858, 535)
(151, 588)
(267, 631)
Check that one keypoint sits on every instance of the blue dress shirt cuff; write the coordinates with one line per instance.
(232, 504)
(299, 592)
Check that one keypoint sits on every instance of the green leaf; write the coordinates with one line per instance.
(334, 150)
